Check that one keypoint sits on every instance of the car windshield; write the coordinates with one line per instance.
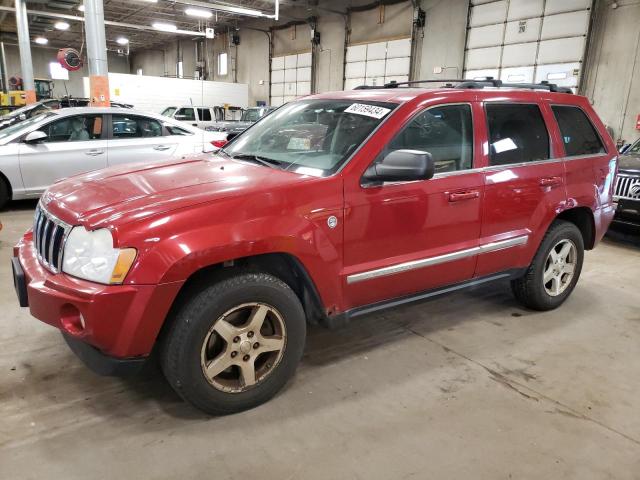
(312, 137)
(17, 127)
(168, 111)
(635, 148)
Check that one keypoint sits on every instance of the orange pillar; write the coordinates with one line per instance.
(99, 90)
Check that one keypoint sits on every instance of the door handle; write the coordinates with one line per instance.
(161, 147)
(551, 182)
(93, 152)
(460, 196)
(194, 124)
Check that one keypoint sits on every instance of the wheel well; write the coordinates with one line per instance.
(6, 181)
(581, 217)
(281, 265)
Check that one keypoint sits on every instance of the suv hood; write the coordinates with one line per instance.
(629, 162)
(119, 195)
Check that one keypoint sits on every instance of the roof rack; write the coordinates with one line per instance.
(475, 83)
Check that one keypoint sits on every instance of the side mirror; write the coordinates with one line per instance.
(180, 117)
(35, 137)
(22, 116)
(624, 148)
(401, 166)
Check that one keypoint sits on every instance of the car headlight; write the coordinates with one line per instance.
(90, 255)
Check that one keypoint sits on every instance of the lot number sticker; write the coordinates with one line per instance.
(367, 110)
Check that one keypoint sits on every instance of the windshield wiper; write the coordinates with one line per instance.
(267, 162)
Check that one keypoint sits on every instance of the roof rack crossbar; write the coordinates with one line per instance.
(475, 83)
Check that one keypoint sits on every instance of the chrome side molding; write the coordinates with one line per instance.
(430, 261)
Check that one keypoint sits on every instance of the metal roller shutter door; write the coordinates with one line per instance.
(527, 40)
(377, 63)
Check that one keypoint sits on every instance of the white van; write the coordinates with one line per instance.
(196, 116)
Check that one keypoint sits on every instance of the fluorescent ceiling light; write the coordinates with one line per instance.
(61, 26)
(41, 40)
(197, 12)
(164, 27)
(122, 40)
(81, 7)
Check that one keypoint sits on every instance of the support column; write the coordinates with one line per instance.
(96, 53)
(24, 45)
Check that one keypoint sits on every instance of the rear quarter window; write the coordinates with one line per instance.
(578, 133)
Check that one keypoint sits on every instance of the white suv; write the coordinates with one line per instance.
(200, 117)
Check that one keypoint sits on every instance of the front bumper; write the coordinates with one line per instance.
(116, 323)
(627, 212)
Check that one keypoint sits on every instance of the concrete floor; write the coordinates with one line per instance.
(465, 386)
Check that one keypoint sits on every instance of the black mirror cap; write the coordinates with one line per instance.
(401, 166)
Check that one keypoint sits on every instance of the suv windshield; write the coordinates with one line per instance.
(635, 148)
(312, 137)
(168, 111)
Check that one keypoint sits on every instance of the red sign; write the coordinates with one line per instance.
(638, 122)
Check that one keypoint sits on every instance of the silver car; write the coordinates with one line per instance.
(59, 143)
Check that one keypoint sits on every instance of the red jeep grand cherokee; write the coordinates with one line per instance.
(333, 206)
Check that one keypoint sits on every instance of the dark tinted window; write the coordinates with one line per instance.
(204, 114)
(74, 129)
(186, 114)
(131, 126)
(578, 134)
(517, 134)
(445, 132)
(173, 130)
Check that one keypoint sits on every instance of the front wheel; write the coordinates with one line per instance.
(235, 344)
(555, 269)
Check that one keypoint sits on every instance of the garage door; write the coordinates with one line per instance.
(290, 77)
(377, 63)
(527, 40)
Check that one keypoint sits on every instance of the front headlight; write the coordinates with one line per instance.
(90, 255)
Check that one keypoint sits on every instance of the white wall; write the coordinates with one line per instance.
(154, 94)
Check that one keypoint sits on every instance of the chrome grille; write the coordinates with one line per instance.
(49, 235)
(627, 187)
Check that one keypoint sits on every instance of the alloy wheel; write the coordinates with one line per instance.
(560, 267)
(243, 346)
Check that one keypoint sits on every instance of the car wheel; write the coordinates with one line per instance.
(4, 194)
(555, 269)
(235, 343)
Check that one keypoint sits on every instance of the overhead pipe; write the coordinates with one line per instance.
(75, 18)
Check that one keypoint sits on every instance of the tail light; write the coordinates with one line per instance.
(219, 143)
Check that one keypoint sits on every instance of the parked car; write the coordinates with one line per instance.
(201, 117)
(249, 117)
(60, 143)
(627, 190)
(28, 111)
(339, 205)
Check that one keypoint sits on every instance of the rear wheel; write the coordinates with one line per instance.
(555, 269)
(235, 344)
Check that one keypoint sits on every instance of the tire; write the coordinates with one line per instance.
(203, 335)
(531, 289)
(4, 193)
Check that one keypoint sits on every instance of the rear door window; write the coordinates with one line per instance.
(517, 133)
(133, 126)
(204, 114)
(578, 133)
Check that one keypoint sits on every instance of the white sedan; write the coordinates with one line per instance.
(57, 144)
